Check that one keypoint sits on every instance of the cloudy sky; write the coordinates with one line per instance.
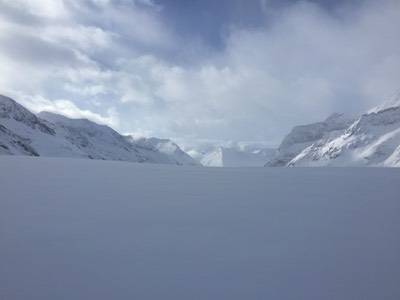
(200, 69)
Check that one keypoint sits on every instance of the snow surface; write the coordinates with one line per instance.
(84, 229)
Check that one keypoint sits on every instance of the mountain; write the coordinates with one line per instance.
(371, 140)
(304, 136)
(49, 134)
(172, 152)
(23, 133)
(236, 157)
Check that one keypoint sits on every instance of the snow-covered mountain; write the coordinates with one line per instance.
(371, 140)
(48, 134)
(172, 152)
(23, 133)
(304, 136)
(237, 157)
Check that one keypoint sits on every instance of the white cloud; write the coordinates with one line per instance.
(91, 90)
(69, 109)
(303, 65)
(42, 8)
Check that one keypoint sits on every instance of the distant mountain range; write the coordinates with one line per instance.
(235, 156)
(48, 134)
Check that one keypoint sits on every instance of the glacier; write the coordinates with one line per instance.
(91, 229)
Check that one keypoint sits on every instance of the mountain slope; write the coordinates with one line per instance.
(304, 136)
(171, 152)
(11, 143)
(48, 134)
(372, 140)
(96, 141)
(23, 133)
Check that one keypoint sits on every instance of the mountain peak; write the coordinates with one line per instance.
(11, 110)
(392, 102)
(72, 122)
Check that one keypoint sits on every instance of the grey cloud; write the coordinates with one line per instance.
(34, 50)
(18, 15)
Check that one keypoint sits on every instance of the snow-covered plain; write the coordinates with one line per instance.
(83, 229)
